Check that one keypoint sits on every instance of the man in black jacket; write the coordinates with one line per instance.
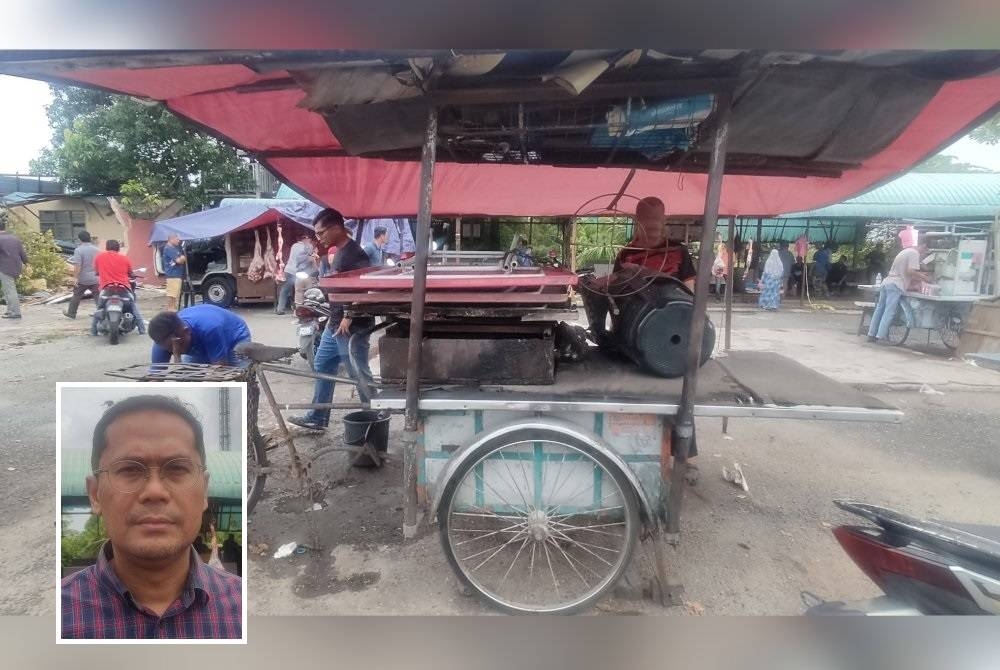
(333, 346)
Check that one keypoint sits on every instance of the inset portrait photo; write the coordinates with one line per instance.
(151, 512)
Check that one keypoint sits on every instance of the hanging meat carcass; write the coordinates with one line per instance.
(256, 270)
(279, 276)
(270, 265)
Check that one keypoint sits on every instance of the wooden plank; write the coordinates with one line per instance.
(981, 333)
(552, 92)
(377, 278)
(484, 297)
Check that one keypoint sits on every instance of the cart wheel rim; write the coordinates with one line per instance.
(540, 526)
(256, 447)
(217, 293)
(950, 329)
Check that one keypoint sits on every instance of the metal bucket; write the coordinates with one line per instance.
(366, 426)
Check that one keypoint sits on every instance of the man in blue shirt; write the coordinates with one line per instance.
(376, 248)
(822, 261)
(173, 267)
(204, 333)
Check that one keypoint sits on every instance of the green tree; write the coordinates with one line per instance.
(945, 163)
(988, 133)
(44, 259)
(82, 545)
(121, 146)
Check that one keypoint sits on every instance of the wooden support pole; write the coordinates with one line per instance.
(572, 245)
(729, 283)
(417, 305)
(683, 431)
(804, 289)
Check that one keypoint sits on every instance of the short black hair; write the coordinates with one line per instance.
(144, 403)
(112, 245)
(379, 232)
(163, 325)
(83, 236)
(329, 216)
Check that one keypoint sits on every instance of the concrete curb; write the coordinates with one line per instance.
(867, 387)
(795, 310)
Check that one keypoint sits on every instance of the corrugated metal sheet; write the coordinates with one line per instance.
(775, 230)
(920, 196)
(285, 192)
(224, 484)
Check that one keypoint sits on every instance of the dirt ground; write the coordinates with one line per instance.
(739, 553)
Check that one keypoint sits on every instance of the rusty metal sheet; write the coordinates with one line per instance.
(180, 372)
(472, 360)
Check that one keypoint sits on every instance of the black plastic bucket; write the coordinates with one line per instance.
(366, 426)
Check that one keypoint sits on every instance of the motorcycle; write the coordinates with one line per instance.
(312, 316)
(922, 567)
(114, 317)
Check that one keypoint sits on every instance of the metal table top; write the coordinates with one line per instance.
(931, 298)
(741, 384)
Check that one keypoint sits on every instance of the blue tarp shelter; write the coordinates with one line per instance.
(400, 232)
(234, 214)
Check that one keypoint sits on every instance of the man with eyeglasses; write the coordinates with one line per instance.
(150, 488)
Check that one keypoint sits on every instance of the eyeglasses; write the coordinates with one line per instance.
(130, 476)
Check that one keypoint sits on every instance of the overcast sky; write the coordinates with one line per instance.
(82, 408)
(24, 129)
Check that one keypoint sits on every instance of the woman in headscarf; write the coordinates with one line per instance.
(774, 272)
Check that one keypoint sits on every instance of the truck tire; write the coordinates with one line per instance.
(219, 291)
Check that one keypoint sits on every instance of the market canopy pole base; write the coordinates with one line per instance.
(410, 519)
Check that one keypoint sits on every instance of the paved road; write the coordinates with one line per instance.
(740, 553)
(43, 349)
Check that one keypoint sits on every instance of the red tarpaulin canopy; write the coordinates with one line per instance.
(264, 104)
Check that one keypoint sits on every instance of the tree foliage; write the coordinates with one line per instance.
(44, 260)
(82, 546)
(988, 133)
(945, 163)
(117, 145)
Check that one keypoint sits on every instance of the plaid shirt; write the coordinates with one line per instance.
(96, 604)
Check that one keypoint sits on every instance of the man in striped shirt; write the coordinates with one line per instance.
(150, 487)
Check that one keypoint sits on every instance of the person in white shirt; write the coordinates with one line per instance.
(904, 271)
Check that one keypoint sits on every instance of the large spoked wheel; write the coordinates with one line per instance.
(538, 522)
(899, 330)
(256, 446)
(949, 326)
